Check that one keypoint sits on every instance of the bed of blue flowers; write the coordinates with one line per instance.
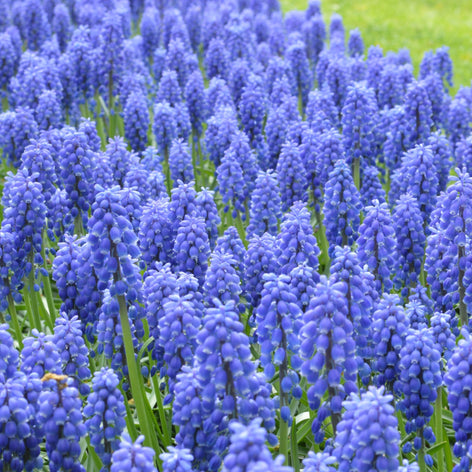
(231, 240)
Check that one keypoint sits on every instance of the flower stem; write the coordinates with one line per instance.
(421, 461)
(136, 382)
(14, 320)
(166, 161)
(356, 172)
(283, 439)
(47, 284)
(438, 429)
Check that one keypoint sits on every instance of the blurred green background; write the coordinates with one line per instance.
(419, 25)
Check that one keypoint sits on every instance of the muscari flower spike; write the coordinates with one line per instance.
(420, 377)
(342, 207)
(105, 414)
(132, 456)
(296, 243)
(368, 437)
(60, 415)
(328, 353)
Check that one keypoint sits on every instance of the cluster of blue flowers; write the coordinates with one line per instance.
(229, 238)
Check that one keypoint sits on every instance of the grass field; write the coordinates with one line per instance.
(419, 25)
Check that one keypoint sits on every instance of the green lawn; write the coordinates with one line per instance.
(419, 25)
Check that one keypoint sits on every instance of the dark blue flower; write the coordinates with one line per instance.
(176, 460)
(408, 224)
(296, 244)
(132, 455)
(60, 415)
(265, 208)
(420, 377)
(342, 207)
(328, 351)
(389, 330)
(259, 259)
(192, 247)
(105, 414)
(368, 436)
(291, 175)
(377, 244)
(457, 380)
(70, 344)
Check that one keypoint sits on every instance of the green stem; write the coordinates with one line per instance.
(421, 461)
(33, 322)
(47, 284)
(14, 320)
(323, 244)
(33, 300)
(294, 448)
(136, 382)
(283, 439)
(240, 227)
(162, 414)
(356, 172)
(166, 160)
(79, 226)
(194, 162)
(438, 429)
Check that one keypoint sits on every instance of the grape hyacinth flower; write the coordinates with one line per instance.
(265, 208)
(40, 355)
(178, 329)
(222, 281)
(358, 121)
(278, 319)
(231, 185)
(207, 209)
(180, 162)
(352, 281)
(454, 221)
(371, 188)
(389, 330)
(248, 451)
(132, 456)
(223, 347)
(183, 203)
(296, 244)
(136, 120)
(444, 338)
(105, 414)
(177, 459)
(192, 247)
(457, 380)
(25, 216)
(319, 462)
(328, 351)
(342, 207)
(368, 436)
(155, 232)
(259, 259)
(19, 432)
(196, 103)
(71, 346)
(77, 165)
(408, 224)
(198, 418)
(60, 415)
(231, 243)
(377, 244)
(303, 280)
(417, 175)
(420, 377)
(292, 176)
(418, 113)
